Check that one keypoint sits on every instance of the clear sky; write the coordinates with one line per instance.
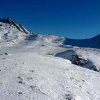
(69, 18)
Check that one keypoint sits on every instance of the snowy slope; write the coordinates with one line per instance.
(39, 67)
(28, 75)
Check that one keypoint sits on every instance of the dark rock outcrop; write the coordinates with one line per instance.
(11, 22)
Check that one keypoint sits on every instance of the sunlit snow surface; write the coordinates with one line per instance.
(29, 70)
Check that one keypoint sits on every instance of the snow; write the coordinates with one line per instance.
(44, 77)
(29, 70)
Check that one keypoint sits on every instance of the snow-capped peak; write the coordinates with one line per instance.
(11, 32)
(13, 24)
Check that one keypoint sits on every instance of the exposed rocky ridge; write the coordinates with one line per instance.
(11, 33)
(11, 22)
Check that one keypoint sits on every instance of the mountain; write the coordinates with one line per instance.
(96, 39)
(93, 42)
(44, 67)
(11, 32)
(13, 24)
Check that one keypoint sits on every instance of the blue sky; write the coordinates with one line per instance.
(69, 18)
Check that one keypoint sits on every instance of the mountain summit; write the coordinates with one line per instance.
(11, 32)
(14, 24)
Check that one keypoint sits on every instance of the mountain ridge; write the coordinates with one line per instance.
(7, 23)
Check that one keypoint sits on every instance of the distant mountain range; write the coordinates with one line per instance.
(93, 42)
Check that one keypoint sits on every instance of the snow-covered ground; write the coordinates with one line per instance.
(30, 70)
